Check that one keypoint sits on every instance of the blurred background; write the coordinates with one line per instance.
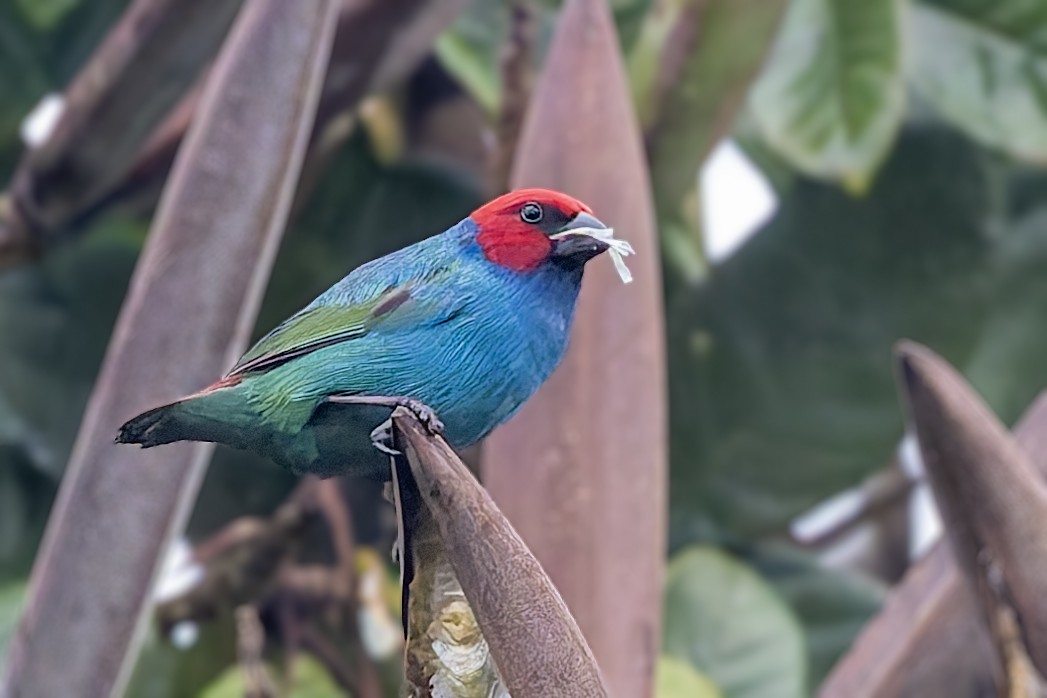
(828, 176)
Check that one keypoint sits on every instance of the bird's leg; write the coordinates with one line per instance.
(382, 435)
(422, 412)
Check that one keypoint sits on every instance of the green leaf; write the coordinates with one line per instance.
(465, 61)
(165, 671)
(690, 69)
(23, 80)
(831, 99)
(1007, 366)
(45, 14)
(675, 678)
(310, 680)
(57, 318)
(471, 49)
(724, 619)
(833, 605)
(782, 388)
(707, 52)
(11, 597)
(229, 685)
(983, 65)
(13, 513)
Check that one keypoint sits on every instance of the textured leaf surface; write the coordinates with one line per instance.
(831, 99)
(983, 64)
(833, 605)
(782, 386)
(724, 619)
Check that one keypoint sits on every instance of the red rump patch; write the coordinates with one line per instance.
(507, 240)
(227, 382)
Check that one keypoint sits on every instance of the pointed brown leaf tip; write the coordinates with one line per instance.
(912, 359)
(992, 500)
(925, 377)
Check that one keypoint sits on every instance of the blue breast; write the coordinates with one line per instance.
(477, 369)
(494, 360)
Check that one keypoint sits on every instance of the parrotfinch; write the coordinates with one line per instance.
(469, 322)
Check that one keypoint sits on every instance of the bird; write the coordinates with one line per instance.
(461, 328)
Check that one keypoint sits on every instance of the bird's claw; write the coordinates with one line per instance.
(424, 414)
(382, 438)
(382, 435)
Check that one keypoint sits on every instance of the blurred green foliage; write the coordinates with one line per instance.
(903, 138)
(309, 680)
(676, 678)
(724, 619)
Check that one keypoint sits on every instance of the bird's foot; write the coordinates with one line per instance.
(382, 438)
(423, 413)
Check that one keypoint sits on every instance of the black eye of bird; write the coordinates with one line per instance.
(531, 213)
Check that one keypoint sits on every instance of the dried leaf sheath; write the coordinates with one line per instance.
(461, 540)
(204, 266)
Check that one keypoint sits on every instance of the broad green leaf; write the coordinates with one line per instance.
(831, 98)
(310, 680)
(56, 318)
(782, 386)
(690, 70)
(726, 621)
(11, 597)
(833, 605)
(230, 684)
(165, 671)
(1007, 366)
(675, 678)
(983, 64)
(464, 60)
(471, 49)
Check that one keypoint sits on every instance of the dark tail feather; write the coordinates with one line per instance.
(153, 428)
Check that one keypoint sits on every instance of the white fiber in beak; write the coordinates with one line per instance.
(617, 249)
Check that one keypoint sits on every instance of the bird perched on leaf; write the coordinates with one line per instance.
(469, 322)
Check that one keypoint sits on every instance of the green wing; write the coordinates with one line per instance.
(321, 326)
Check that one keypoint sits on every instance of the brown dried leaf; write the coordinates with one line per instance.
(190, 308)
(928, 639)
(993, 502)
(146, 63)
(377, 42)
(581, 470)
(536, 644)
